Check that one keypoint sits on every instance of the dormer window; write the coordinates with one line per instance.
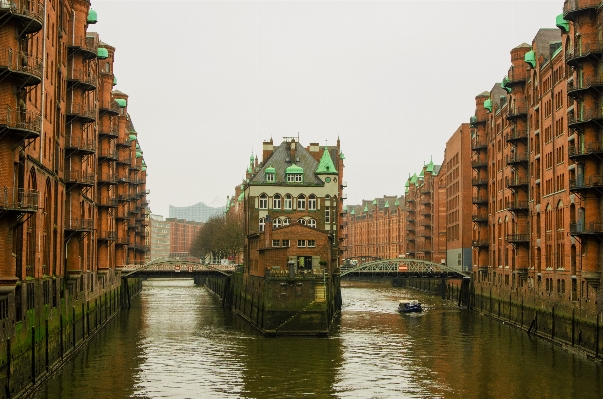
(295, 178)
(270, 174)
(270, 178)
(295, 174)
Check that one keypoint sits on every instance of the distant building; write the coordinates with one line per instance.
(195, 213)
(160, 237)
(182, 234)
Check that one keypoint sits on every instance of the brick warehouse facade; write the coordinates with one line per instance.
(72, 175)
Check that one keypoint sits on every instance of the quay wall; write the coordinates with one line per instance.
(567, 327)
(280, 305)
(54, 329)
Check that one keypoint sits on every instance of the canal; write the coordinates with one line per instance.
(176, 341)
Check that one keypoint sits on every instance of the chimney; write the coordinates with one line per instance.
(268, 232)
(267, 150)
(293, 151)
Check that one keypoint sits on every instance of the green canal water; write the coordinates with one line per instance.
(177, 342)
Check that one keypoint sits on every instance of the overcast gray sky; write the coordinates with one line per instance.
(209, 81)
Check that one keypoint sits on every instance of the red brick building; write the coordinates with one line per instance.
(72, 176)
(375, 229)
(182, 235)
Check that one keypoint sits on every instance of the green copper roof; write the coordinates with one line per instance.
(530, 58)
(270, 169)
(503, 84)
(488, 104)
(352, 213)
(137, 146)
(251, 157)
(375, 201)
(562, 23)
(422, 172)
(473, 119)
(114, 80)
(326, 164)
(249, 170)
(397, 203)
(121, 102)
(386, 204)
(294, 169)
(144, 168)
(407, 183)
(241, 196)
(414, 179)
(132, 137)
(92, 17)
(430, 166)
(138, 154)
(365, 208)
(102, 53)
(341, 156)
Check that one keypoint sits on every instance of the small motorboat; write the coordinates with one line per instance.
(409, 306)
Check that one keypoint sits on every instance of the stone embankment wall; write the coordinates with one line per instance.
(48, 335)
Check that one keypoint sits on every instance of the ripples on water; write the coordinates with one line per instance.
(177, 342)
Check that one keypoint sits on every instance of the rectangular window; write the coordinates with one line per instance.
(285, 243)
(327, 215)
(276, 243)
(270, 177)
(299, 178)
(301, 243)
(311, 243)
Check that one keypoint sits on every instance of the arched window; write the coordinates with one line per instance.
(312, 202)
(288, 201)
(286, 222)
(276, 201)
(263, 201)
(262, 223)
(301, 202)
(276, 223)
(312, 223)
(301, 221)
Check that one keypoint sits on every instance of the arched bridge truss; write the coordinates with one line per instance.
(402, 267)
(176, 268)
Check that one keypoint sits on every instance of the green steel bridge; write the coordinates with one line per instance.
(401, 267)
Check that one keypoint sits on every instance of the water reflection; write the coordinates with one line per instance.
(177, 342)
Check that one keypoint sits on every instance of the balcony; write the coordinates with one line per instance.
(123, 179)
(124, 161)
(123, 142)
(81, 112)
(84, 79)
(517, 158)
(578, 88)
(426, 222)
(480, 217)
(109, 107)
(572, 8)
(26, 68)
(107, 202)
(136, 181)
(121, 214)
(518, 238)
(107, 178)
(82, 45)
(107, 154)
(74, 143)
(517, 182)
(518, 110)
(344, 184)
(476, 120)
(79, 224)
(516, 134)
(106, 235)
(586, 183)
(479, 145)
(29, 14)
(586, 46)
(515, 205)
(80, 178)
(516, 76)
(479, 200)
(584, 151)
(587, 116)
(22, 124)
(108, 131)
(19, 200)
(123, 197)
(478, 163)
(480, 244)
(136, 166)
(479, 181)
(592, 228)
(123, 240)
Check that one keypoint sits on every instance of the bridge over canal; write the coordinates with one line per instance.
(401, 268)
(174, 268)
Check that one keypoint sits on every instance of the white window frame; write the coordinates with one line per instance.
(301, 221)
(301, 243)
(327, 215)
(286, 222)
(276, 223)
(311, 223)
(288, 203)
(301, 202)
(270, 177)
(276, 201)
(311, 243)
(276, 243)
(312, 202)
(262, 224)
(263, 204)
(285, 243)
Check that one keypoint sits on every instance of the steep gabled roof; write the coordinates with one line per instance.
(326, 165)
(280, 160)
